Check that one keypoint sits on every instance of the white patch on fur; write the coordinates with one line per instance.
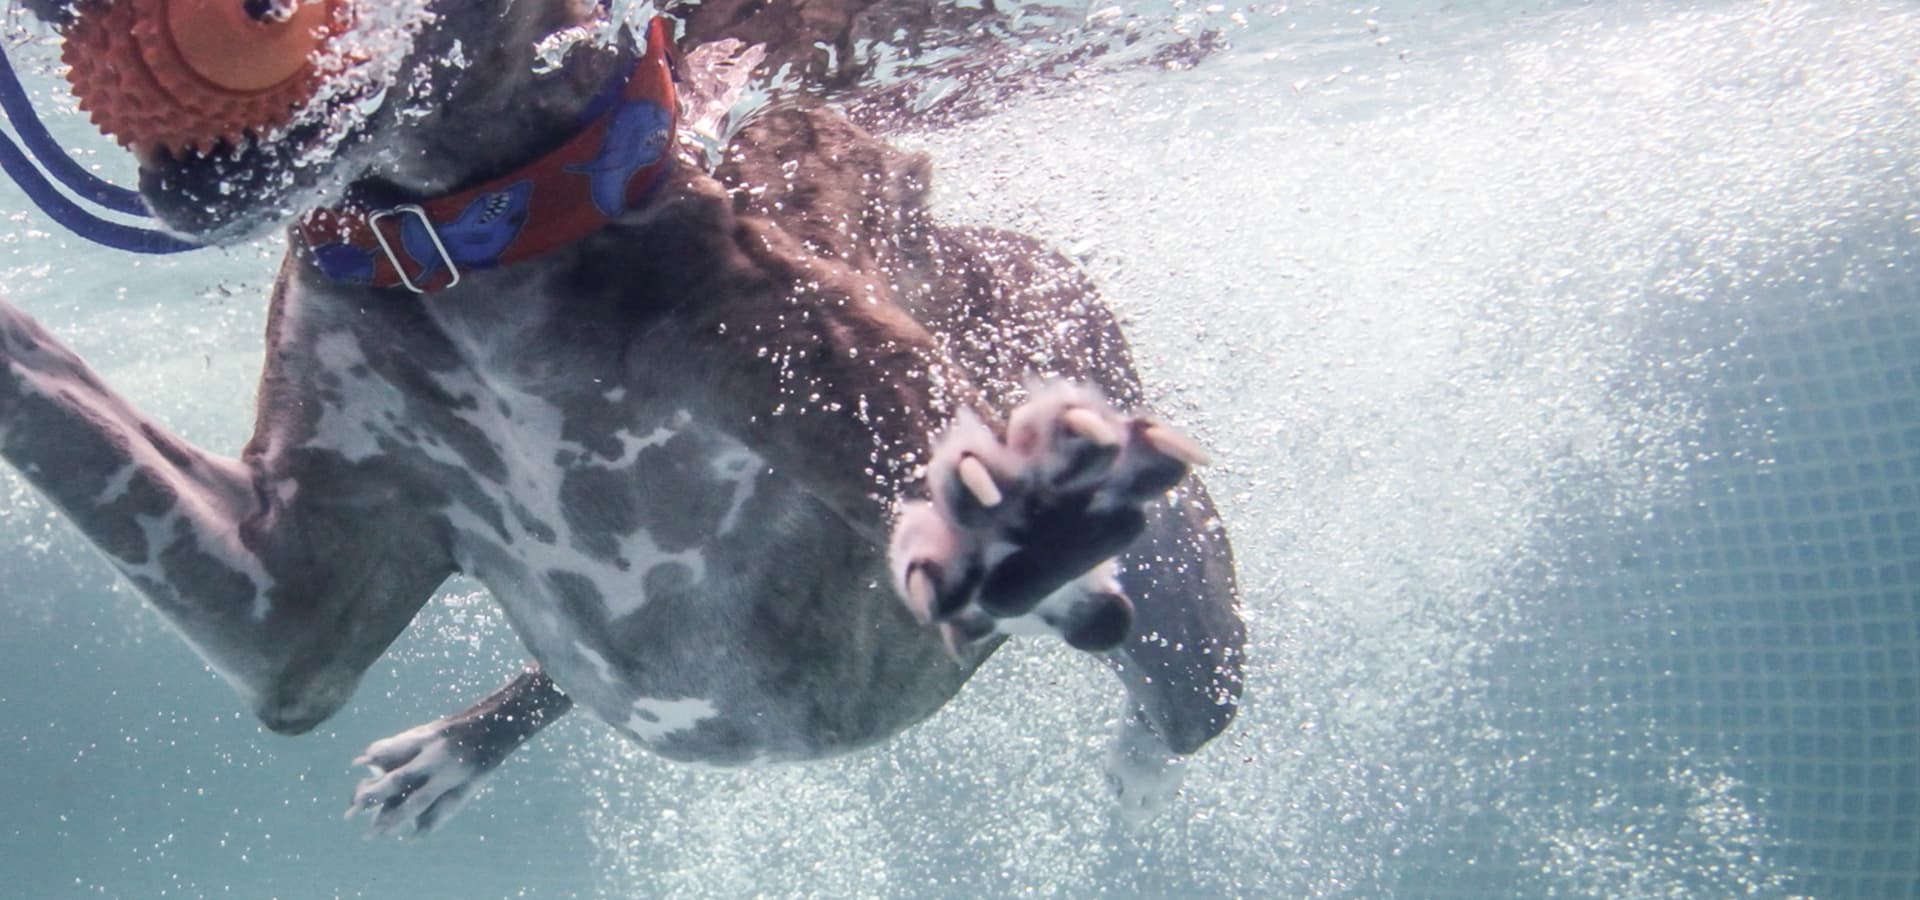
(154, 532)
(653, 719)
(624, 597)
(742, 467)
(599, 663)
(159, 534)
(631, 444)
(526, 431)
(353, 437)
(117, 485)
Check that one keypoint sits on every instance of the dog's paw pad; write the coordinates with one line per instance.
(1097, 621)
(1018, 533)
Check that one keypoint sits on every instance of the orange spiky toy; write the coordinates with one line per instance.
(182, 75)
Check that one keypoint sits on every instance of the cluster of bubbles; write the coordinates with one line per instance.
(1447, 301)
(1444, 296)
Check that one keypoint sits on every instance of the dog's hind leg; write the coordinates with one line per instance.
(422, 775)
(1182, 665)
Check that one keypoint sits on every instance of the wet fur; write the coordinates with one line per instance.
(672, 451)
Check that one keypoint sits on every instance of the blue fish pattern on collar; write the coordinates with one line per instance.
(345, 263)
(474, 240)
(636, 139)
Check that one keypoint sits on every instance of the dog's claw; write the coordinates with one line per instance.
(1089, 425)
(1172, 443)
(922, 596)
(950, 637)
(973, 473)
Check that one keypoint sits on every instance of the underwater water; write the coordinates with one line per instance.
(1562, 366)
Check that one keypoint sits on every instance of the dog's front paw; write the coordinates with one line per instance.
(1020, 535)
(420, 778)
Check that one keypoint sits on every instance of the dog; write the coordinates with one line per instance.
(760, 468)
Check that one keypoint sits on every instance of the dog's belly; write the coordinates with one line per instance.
(683, 592)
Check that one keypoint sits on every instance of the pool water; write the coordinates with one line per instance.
(1562, 364)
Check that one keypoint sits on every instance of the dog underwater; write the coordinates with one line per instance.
(761, 461)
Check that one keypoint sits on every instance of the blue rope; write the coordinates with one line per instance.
(88, 186)
(20, 166)
(13, 98)
(77, 220)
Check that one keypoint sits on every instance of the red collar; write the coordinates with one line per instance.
(547, 204)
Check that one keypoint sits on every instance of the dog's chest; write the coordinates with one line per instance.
(624, 497)
(621, 537)
(618, 531)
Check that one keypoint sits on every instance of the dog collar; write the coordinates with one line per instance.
(568, 194)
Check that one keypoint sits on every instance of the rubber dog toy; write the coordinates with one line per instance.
(187, 75)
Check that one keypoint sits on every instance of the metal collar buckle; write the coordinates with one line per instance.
(373, 222)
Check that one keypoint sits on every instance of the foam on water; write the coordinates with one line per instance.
(1469, 306)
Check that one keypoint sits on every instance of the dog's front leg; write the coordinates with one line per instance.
(421, 776)
(278, 581)
(992, 528)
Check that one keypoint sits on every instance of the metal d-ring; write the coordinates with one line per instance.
(373, 222)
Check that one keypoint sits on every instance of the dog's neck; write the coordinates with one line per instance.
(615, 159)
(495, 113)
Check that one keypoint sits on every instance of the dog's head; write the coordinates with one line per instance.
(245, 114)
